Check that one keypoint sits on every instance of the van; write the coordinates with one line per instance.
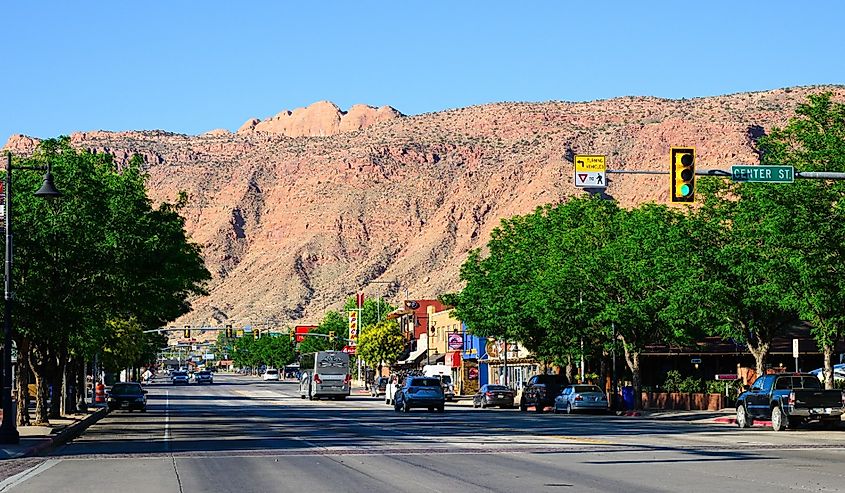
(444, 373)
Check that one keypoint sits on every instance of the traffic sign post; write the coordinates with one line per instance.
(590, 172)
(763, 174)
(795, 353)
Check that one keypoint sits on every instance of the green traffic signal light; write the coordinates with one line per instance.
(682, 171)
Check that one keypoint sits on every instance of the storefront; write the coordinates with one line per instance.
(474, 369)
(512, 368)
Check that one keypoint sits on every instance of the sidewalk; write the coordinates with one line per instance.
(38, 440)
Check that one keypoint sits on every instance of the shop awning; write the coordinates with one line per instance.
(422, 348)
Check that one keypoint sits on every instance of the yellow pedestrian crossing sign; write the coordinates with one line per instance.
(590, 172)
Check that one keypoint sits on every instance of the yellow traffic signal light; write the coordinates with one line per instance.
(229, 331)
(331, 336)
(682, 184)
(187, 332)
(255, 334)
(292, 335)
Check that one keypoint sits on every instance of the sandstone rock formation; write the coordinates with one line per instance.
(320, 119)
(290, 226)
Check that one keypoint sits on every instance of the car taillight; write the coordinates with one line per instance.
(347, 379)
(489, 394)
(792, 398)
(317, 379)
(578, 397)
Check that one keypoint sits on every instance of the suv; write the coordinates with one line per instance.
(178, 377)
(541, 390)
(420, 392)
(204, 376)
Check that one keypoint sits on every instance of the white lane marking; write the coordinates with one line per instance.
(19, 478)
(167, 416)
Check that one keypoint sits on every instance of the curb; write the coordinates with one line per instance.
(67, 434)
(732, 421)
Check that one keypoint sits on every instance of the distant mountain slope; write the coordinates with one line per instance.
(292, 225)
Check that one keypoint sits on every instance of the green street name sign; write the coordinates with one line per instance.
(763, 174)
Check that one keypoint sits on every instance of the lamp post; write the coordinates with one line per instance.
(8, 428)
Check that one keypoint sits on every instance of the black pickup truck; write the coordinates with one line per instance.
(789, 399)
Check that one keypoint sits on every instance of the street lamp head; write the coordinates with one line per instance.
(48, 189)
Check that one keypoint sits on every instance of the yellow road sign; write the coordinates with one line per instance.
(590, 171)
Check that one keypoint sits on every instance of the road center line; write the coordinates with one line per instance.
(167, 417)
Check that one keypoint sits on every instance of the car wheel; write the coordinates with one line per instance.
(522, 406)
(828, 424)
(396, 407)
(778, 419)
(539, 408)
(474, 404)
(568, 408)
(405, 407)
(743, 420)
(441, 408)
(483, 404)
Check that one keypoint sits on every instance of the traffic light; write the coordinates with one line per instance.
(229, 331)
(331, 336)
(292, 335)
(682, 184)
(255, 334)
(187, 332)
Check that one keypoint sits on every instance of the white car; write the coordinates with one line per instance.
(270, 374)
(838, 372)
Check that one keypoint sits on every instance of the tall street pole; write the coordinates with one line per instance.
(8, 429)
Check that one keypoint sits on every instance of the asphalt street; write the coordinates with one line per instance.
(244, 435)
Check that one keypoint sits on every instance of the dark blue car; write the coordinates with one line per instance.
(425, 392)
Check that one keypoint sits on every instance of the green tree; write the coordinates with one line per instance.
(98, 255)
(808, 215)
(381, 343)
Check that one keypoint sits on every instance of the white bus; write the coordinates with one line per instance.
(324, 374)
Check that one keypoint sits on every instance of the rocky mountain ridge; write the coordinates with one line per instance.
(299, 211)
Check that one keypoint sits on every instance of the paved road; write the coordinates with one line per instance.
(242, 435)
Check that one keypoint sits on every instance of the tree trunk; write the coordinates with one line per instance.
(23, 382)
(41, 415)
(760, 351)
(70, 387)
(633, 359)
(569, 368)
(828, 366)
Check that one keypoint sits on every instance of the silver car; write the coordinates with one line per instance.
(581, 398)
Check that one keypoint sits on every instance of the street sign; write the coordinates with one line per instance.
(695, 361)
(794, 348)
(353, 327)
(727, 376)
(208, 356)
(763, 174)
(590, 172)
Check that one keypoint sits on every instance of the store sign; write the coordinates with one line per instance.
(456, 342)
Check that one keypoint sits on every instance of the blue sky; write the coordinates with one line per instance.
(190, 67)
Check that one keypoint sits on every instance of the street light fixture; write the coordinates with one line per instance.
(8, 428)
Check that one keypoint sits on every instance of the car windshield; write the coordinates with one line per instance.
(179, 374)
(586, 388)
(272, 372)
(425, 382)
(497, 388)
(446, 379)
(205, 373)
(126, 388)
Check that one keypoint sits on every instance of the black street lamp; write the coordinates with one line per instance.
(8, 428)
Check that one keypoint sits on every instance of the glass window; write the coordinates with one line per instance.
(758, 384)
(768, 381)
(586, 388)
(812, 383)
(783, 383)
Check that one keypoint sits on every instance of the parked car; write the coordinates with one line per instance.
(540, 391)
(270, 374)
(179, 377)
(581, 398)
(838, 372)
(390, 390)
(420, 392)
(789, 399)
(204, 376)
(493, 395)
(378, 387)
(127, 395)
